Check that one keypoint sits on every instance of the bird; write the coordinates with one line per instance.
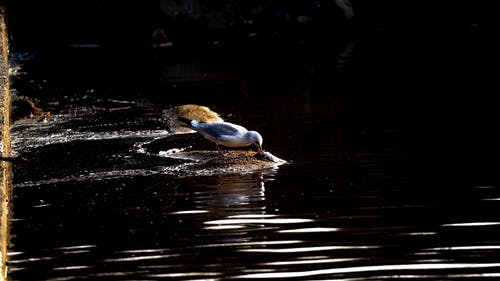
(225, 133)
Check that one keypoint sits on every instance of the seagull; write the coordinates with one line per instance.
(225, 133)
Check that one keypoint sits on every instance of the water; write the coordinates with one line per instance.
(379, 185)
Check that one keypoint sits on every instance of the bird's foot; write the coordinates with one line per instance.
(223, 153)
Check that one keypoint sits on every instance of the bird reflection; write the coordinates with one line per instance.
(240, 203)
(237, 194)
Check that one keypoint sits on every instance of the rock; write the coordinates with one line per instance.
(24, 107)
(189, 111)
(269, 157)
(204, 163)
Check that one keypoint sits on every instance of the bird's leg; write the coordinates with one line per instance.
(221, 153)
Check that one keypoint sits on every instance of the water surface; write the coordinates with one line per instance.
(378, 186)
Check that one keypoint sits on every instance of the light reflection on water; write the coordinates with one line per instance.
(225, 229)
(374, 269)
(93, 202)
(229, 226)
(466, 224)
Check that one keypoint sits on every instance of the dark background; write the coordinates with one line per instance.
(130, 24)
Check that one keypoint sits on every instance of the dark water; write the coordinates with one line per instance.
(391, 175)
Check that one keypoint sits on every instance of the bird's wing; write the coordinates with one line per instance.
(218, 129)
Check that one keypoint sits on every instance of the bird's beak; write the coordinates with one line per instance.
(260, 150)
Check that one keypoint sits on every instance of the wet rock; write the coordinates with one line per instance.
(196, 156)
(178, 142)
(269, 157)
(202, 162)
(24, 107)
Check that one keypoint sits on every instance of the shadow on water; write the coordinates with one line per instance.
(374, 188)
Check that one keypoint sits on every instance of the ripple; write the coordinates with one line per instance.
(485, 187)
(27, 133)
(138, 251)
(258, 221)
(310, 230)
(417, 233)
(184, 274)
(467, 224)
(73, 267)
(311, 261)
(253, 243)
(42, 205)
(189, 212)
(252, 216)
(467, 248)
(375, 268)
(93, 176)
(32, 259)
(308, 249)
(222, 227)
(141, 258)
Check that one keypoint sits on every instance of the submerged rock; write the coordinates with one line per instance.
(269, 157)
(26, 108)
(202, 162)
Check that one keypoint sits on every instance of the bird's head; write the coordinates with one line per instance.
(256, 139)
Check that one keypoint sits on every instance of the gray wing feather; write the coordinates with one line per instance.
(219, 129)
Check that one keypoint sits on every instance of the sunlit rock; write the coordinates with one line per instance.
(189, 111)
(196, 156)
(206, 162)
(24, 107)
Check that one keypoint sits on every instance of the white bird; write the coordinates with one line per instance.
(225, 133)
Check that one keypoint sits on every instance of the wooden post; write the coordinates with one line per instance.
(6, 166)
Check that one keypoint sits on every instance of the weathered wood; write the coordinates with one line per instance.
(6, 180)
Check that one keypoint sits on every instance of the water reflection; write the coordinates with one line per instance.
(241, 226)
(140, 222)
(243, 194)
(257, 220)
(374, 269)
(472, 224)
(237, 220)
(239, 202)
(309, 230)
(94, 202)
